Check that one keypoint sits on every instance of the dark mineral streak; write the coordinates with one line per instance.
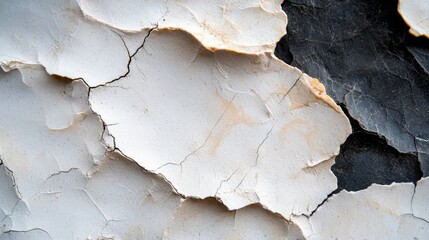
(362, 52)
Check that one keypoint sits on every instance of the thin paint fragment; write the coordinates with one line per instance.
(416, 14)
(396, 211)
(208, 219)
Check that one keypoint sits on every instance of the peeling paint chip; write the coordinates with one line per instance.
(416, 15)
(242, 128)
(244, 26)
(207, 219)
(85, 39)
(396, 211)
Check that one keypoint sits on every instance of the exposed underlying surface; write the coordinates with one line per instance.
(366, 158)
(361, 51)
(174, 120)
(419, 47)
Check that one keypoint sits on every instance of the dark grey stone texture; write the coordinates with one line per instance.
(366, 158)
(362, 52)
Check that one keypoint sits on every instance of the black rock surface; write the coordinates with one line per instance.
(366, 158)
(362, 52)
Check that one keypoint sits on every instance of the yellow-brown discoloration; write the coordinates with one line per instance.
(319, 91)
(233, 116)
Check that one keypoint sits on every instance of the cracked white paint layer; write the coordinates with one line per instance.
(118, 201)
(61, 184)
(243, 128)
(242, 26)
(207, 219)
(416, 14)
(8, 198)
(396, 211)
(62, 135)
(420, 205)
(190, 91)
(79, 43)
(55, 34)
(33, 234)
(58, 182)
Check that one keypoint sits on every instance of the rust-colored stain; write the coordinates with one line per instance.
(233, 116)
(320, 92)
(296, 125)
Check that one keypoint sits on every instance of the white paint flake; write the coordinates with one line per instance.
(416, 14)
(207, 219)
(243, 128)
(244, 26)
(397, 211)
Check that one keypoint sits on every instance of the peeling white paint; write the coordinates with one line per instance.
(37, 148)
(243, 128)
(207, 219)
(416, 14)
(65, 184)
(380, 212)
(57, 36)
(59, 183)
(192, 103)
(74, 40)
(244, 26)
(33, 234)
